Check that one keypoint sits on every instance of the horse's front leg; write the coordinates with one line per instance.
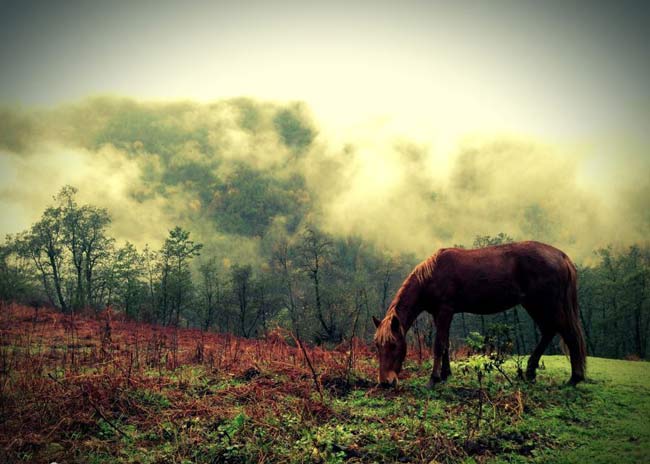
(441, 346)
(446, 365)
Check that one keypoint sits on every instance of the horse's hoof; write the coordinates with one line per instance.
(387, 385)
(531, 375)
(575, 380)
(433, 381)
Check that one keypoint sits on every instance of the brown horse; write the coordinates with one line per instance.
(485, 281)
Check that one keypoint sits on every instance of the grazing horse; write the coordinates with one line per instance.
(485, 281)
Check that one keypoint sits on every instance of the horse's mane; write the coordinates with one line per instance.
(424, 270)
(384, 334)
(419, 275)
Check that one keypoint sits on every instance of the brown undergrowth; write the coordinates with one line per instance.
(63, 376)
(98, 388)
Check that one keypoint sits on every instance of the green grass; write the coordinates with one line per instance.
(210, 417)
(604, 420)
(617, 413)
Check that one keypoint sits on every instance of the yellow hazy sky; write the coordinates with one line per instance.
(431, 69)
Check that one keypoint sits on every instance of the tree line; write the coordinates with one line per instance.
(322, 287)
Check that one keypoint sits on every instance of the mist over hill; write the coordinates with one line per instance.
(236, 171)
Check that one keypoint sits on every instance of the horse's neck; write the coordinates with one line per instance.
(406, 305)
(407, 316)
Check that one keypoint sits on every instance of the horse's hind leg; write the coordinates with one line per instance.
(536, 311)
(533, 360)
(571, 341)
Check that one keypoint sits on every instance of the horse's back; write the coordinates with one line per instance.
(495, 278)
(505, 258)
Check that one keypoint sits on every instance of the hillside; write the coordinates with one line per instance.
(100, 389)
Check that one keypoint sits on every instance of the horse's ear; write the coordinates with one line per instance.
(394, 324)
(376, 321)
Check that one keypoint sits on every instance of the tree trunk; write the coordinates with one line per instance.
(57, 283)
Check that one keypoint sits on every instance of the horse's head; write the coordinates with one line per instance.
(391, 348)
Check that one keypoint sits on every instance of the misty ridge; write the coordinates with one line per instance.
(240, 170)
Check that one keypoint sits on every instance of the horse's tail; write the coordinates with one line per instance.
(573, 335)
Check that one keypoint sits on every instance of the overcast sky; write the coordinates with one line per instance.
(552, 68)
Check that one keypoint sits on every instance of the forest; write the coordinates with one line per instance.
(323, 288)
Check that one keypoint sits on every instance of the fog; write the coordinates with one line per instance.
(158, 164)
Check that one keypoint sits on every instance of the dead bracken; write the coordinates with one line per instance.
(69, 392)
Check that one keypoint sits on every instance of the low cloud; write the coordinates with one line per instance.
(154, 165)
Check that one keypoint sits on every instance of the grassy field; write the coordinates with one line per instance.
(103, 390)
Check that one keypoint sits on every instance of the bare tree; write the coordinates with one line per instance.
(241, 284)
(315, 249)
(211, 291)
(282, 261)
(176, 254)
